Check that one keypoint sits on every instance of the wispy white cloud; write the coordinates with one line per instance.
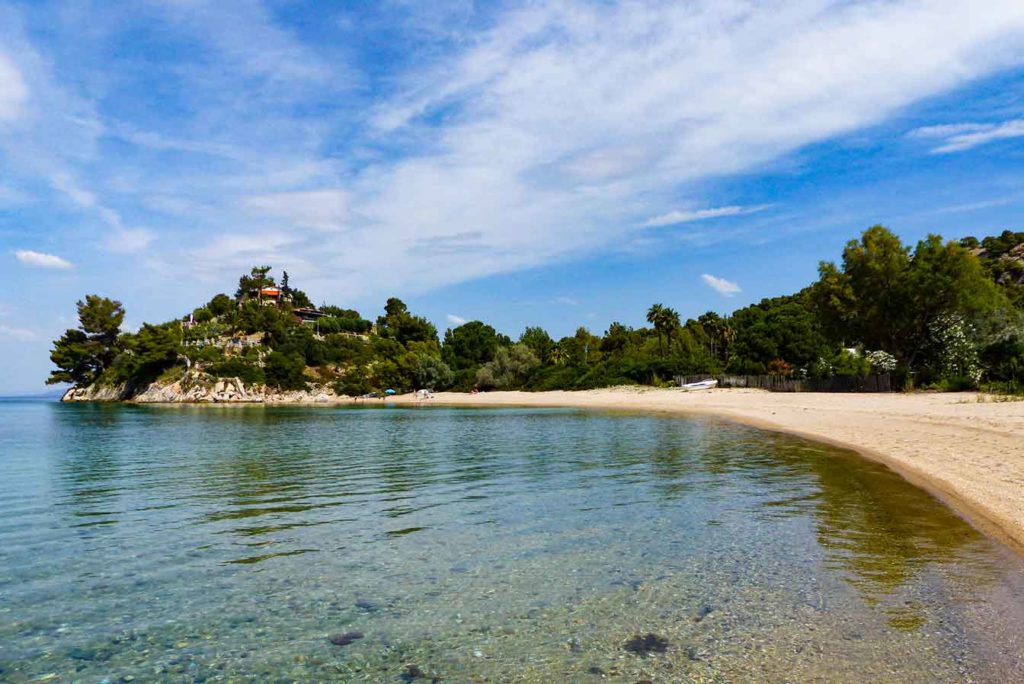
(317, 209)
(981, 204)
(722, 286)
(22, 334)
(965, 136)
(674, 217)
(128, 240)
(455, 320)
(62, 181)
(41, 259)
(117, 237)
(530, 140)
(13, 91)
(552, 134)
(565, 301)
(245, 35)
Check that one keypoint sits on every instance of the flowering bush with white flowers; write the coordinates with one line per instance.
(882, 361)
(955, 342)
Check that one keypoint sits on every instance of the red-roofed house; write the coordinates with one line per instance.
(270, 295)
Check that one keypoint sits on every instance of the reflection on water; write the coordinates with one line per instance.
(232, 544)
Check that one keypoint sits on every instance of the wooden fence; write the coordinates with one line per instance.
(883, 382)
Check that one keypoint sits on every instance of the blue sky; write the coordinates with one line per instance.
(558, 163)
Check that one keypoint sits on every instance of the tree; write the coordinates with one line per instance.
(250, 285)
(285, 371)
(301, 300)
(76, 364)
(615, 338)
(509, 368)
(539, 342)
(82, 355)
(786, 328)
(665, 321)
(429, 372)
(656, 317)
(886, 298)
(469, 345)
(221, 305)
(720, 335)
(354, 383)
(154, 349)
(948, 280)
(669, 323)
(559, 355)
(398, 324)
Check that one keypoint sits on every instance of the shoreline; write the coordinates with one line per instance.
(967, 453)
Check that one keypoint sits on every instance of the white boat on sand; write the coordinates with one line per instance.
(702, 385)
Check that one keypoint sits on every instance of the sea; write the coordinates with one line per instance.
(417, 544)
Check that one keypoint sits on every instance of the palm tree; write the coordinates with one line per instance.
(558, 355)
(656, 316)
(670, 323)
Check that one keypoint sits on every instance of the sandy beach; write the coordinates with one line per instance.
(969, 452)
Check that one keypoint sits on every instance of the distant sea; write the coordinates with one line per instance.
(49, 395)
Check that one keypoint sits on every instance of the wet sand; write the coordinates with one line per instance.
(966, 449)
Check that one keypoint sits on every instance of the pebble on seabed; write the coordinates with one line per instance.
(646, 644)
(345, 639)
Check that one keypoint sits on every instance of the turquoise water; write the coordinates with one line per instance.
(191, 544)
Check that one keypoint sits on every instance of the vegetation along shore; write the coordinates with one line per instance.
(941, 314)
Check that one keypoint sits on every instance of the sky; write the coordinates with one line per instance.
(554, 163)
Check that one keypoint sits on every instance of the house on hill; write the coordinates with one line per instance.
(271, 295)
(307, 314)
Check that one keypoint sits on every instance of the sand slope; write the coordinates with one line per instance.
(969, 453)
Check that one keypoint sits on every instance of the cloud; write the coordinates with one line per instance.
(722, 286)
(13, 91)
(17, 333)
(674, 217)
(966, 136)
(455, 320)
(128, 240)
(9, 196)
(316, 209)
(565, 301)
(555, 132)
(63, 182)
(40, 259)
(981, 204)
(519, 135)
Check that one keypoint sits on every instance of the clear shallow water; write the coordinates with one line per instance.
(188, 544)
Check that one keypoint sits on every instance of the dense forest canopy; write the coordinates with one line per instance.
(941, 313)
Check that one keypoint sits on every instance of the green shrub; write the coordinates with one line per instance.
(285, 371)
(354, 383)
(249, 373)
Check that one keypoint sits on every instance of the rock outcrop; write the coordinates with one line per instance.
(197, 388)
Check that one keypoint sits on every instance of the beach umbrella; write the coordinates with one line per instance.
(389, 392)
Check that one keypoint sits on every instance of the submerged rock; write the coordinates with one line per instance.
(646, 644)
(414, 672)
(704, 611)
(345, 638)
(367, 606)
(89, 654)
